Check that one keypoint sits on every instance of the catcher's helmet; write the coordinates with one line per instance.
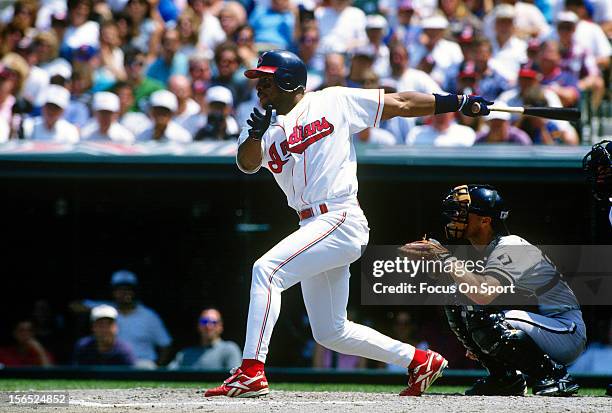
(483, 200)
(597, 165)
(289, 71)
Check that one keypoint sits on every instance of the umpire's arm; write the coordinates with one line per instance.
(409, 104)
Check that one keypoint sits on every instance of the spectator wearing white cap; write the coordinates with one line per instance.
(103, 347)
(498, 129)
(50, 126)
(104, 125)
(376, 30)
(434, 54)
(529, 21)
(187, 107)
(509, 52)
(163, 105)
(218, 123)
(342, 27)
(590, 35)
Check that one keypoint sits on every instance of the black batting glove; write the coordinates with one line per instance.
(259, 122)
(474, 106)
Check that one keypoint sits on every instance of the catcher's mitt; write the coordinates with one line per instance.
(428, 249)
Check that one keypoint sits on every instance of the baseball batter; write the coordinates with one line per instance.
(309, 151)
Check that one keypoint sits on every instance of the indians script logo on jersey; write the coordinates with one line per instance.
(304, 136)
(278, 159)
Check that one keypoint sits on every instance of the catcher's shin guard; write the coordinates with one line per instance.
(516, 349)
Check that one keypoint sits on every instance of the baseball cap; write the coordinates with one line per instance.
(57, 95)
(105, 101)
(164, 99)
(366, 50)
(434, 22)
(124, 277)
(528, 70)
(504, 11)
(219, 94)
(84, 53)
(376, 21)
(468, 70)
(567, 17)
(103, 311)
(60, 68)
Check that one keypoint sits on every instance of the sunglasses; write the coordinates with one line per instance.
(205, 321)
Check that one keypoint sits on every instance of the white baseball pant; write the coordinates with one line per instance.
(318, 256)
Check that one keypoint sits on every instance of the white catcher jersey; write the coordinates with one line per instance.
(310, 151)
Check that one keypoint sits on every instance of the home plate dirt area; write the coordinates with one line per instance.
(190, 400)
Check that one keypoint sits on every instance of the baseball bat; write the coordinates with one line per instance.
(569, 114)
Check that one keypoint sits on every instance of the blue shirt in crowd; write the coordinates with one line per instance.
(273, 27)
(161, 71)
(86, 353)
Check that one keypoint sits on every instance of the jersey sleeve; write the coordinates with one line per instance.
(509, 263)
(363, 107)
(244, 134)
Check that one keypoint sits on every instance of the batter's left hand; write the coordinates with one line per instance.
(474, 106)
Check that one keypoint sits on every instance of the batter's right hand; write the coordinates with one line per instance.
(259, 122)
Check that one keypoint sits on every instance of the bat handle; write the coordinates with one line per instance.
(475, 107)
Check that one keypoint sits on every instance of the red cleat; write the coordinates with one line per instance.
(423, 376)
(241, 385)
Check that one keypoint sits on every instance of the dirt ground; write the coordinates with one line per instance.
(145, 400)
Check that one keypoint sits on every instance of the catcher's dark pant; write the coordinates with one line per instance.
(501, 344)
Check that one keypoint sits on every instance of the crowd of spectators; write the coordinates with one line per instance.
(130, 71)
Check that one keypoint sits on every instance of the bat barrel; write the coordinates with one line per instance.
(569, 114)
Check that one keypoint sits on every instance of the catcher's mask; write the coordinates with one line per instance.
(597, 165)
(483, 200)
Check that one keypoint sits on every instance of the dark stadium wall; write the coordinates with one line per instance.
(187, 242)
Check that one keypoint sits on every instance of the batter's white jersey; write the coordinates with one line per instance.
(310, 151)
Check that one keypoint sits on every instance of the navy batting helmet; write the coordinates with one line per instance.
(483, 200)
(288, 69)
(597, 165)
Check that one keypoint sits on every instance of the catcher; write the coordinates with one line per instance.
(507, 341)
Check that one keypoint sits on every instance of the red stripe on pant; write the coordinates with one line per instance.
(265, 320)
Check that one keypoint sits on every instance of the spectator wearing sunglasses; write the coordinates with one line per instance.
(212, 352)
